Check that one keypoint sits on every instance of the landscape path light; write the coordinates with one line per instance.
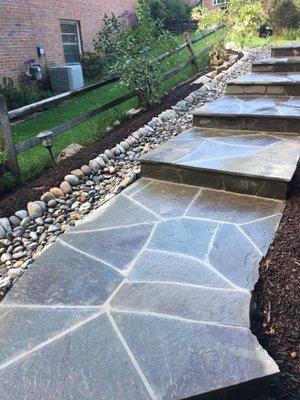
(45, 138)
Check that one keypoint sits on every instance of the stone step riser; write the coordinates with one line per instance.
(215, 180)
(278, 67)
(249, 123)
(285, 52)
(284, 89)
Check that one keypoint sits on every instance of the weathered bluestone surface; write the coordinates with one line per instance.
(147, 299)
(255, 163)
(289, 50)
(277, 64)
(267, 114)
(264, 84)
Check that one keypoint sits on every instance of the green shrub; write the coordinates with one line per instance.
(92, 65)
(129, 50)
(7, 182)
(3, 156)
(242, 18)
(112, 28)
(171, 10)
(19, 97)
(290, 34)
(283, 14)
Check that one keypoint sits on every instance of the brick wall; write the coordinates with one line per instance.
(24, 24)
(209, 4)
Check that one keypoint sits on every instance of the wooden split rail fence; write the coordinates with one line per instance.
(7, 116)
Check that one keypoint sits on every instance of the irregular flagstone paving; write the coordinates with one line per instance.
(263, 162)
(251, 113)
(147, 299)
(241, 105)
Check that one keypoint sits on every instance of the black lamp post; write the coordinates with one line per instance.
(45, 138)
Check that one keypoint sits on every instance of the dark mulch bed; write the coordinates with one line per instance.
(32, 190)
(276, 320)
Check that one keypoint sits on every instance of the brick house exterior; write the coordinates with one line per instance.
(26, 24)
(211, 4)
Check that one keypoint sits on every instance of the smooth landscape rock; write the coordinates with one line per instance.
(72, 180)
(34, 210)
(46, 197)
(65, 187)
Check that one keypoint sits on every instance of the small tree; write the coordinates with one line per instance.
(107, 39)
(242, 18)
(130, 51)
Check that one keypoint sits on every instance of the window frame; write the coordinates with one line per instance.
(75, 23)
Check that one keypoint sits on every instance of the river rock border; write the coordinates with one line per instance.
(24, 235)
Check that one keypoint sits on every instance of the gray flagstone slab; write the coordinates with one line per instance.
(118, 247)
(211, 357)
(159, 266)
(21, 329)
(235, 257)
(243, 105)
(262, 232)
(233, 208)
(181, 285)
(120, 211)
(63, 276)
(165, 199)
(185, 236)
(277, 64)
(289, 49)
(254, 163)
(227, 307)
(89, 363)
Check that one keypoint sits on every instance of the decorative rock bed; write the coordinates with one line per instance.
(23, 236)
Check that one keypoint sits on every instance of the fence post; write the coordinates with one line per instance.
(6, 137)
(191, 51)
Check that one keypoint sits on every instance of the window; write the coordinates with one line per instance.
(71, 40)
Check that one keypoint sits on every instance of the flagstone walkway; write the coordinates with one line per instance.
(149, 297)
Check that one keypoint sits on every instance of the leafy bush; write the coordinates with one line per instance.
(171, 10)
(19, 97)
(283, 14)
(217, 55)
(290, 34)
(113, 28)
(130, 17)
(242, 18)
(3, 156)
(129, 50)
(7, 182)
(92, 65)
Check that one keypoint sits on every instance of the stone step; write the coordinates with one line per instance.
(272, 114)
(248, 162)
(275, 64)
(288, 50)
(262, 84)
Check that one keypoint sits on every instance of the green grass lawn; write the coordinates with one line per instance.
(260, 42)
(36, 160)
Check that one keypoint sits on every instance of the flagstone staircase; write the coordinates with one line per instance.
(246, 142)
(149, 297)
